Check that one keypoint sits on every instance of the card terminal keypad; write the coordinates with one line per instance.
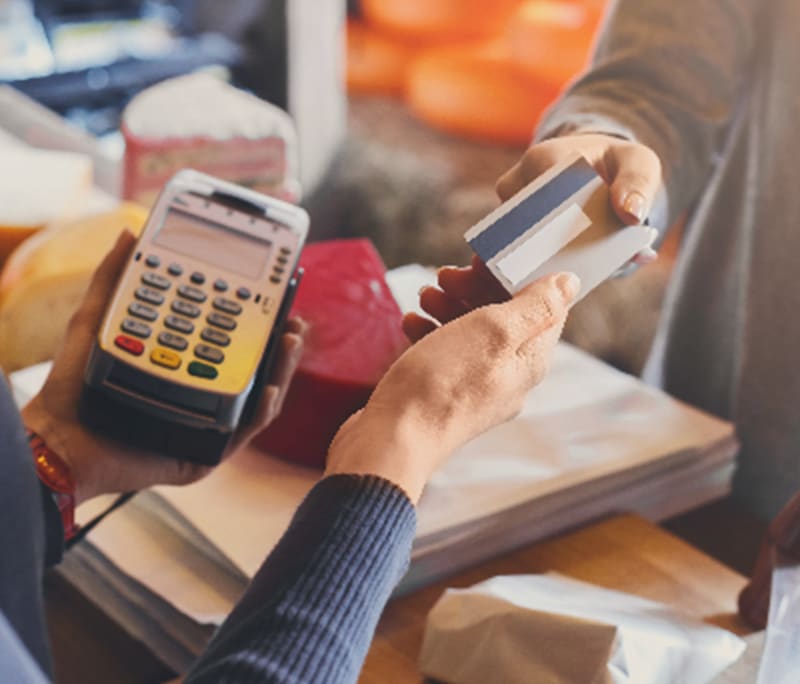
(188, 304)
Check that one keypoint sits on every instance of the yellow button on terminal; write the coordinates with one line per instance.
(165, 357)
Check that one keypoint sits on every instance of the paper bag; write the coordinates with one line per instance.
(550, 629)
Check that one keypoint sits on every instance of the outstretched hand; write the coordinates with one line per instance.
(459, 379)
(100, 465)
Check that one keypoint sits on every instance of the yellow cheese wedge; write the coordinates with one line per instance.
(38, 187)
(44, 281)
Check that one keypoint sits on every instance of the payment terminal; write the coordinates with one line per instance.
(196, 317)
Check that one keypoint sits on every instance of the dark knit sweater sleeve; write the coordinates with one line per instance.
(311, 610)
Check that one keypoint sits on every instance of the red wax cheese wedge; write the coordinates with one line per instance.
(354, 337)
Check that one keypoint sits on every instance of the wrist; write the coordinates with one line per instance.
(395, 447)
(57, 437)
(55, 475)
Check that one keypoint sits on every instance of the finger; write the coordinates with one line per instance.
(511, 182)
(101, 286)
(270, 401)
(635, 172)
(291, 350)
(548, 301)
(440, 305)
(416, 327)
(543, 304)
(297, 326)
(646, 256)
(474, 285)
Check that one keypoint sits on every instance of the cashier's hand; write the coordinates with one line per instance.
(102, 466)
(457, 381)
(631, 169)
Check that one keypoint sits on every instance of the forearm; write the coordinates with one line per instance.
(311, 610)
(670, 76)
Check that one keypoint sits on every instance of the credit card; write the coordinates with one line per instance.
(562, 221)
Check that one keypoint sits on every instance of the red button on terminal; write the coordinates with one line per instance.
(129, 344)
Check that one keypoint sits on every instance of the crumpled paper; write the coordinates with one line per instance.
(550, 629)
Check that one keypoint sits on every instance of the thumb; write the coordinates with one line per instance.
(635, 176)
(542, 305)
(548, 301)
(103, 282)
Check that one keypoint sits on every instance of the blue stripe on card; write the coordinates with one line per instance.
(497, 236)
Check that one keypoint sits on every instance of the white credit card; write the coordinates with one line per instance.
(562, 221)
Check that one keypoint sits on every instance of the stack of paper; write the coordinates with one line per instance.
(590, 441)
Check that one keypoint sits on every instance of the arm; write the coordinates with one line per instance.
(312, 608)
(668, 75)
(31, 533)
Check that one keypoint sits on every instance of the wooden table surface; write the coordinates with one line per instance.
(624, 552)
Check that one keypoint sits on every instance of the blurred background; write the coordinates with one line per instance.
(405, 112)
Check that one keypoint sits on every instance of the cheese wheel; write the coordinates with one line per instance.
(449, 19)
(37, 188)
(552, 39)
(377, 63)
(45, 279)
(354, 336)
(479, 93)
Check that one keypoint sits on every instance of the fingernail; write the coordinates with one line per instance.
(569, 284)
(635, 205)
(646, 256)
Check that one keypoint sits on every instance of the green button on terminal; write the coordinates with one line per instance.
(202, 370)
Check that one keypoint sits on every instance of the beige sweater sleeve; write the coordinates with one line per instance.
(670, 74)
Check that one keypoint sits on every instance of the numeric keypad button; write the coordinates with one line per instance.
(224, 322)
(148, 313)
(179, 324)
(156, 280)
(208, 353)
(173, 341)
(194, 294)
(149, 295)
(227, 306)
(137, 328)
(215, 337)
(185, 308)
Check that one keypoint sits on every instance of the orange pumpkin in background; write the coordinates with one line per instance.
(553, 39)
(377, 63)
(446, 19)
(479, 93)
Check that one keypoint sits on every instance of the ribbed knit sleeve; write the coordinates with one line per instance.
(311, 610)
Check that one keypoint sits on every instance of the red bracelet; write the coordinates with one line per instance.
(55, 474)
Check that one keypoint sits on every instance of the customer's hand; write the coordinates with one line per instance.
(453, 384)
(99, 465)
